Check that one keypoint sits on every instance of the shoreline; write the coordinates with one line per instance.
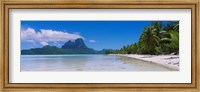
(169, 61)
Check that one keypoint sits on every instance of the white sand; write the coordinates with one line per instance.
(170, 61)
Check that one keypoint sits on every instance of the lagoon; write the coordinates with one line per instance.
(85, 62)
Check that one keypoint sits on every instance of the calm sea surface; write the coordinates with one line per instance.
(85, 63)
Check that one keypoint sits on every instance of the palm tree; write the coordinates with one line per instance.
(176, 26)
(157, 26)
(169, 41)
(165, 37)
(149, 41)
(155, 39)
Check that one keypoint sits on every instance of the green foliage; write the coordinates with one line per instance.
(155, 39)
(149, 41)
(173, 43)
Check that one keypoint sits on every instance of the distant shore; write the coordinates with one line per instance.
(169, 61)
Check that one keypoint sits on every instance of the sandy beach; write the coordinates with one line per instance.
(169, 61)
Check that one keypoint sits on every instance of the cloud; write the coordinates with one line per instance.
(92, 41)
(45, 36)
(44, 43)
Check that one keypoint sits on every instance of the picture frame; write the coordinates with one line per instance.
(97, 87)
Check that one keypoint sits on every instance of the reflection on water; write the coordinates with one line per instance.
(85, 63)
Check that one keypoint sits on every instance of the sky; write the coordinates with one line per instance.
(96, 34)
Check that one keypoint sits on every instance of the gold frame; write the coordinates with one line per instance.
(182, 87)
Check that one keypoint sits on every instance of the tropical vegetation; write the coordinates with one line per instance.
(156, 38)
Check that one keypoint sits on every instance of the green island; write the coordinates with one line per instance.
(76, 47)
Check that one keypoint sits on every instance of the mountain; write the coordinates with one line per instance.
(76, 47)
(44, 50)
(78, 44)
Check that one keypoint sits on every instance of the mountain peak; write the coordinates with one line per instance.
(69, 41)
(78, 44)
(79, 39)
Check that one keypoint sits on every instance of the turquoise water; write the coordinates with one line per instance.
(85, 63)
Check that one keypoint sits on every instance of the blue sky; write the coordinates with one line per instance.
(96, 34)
